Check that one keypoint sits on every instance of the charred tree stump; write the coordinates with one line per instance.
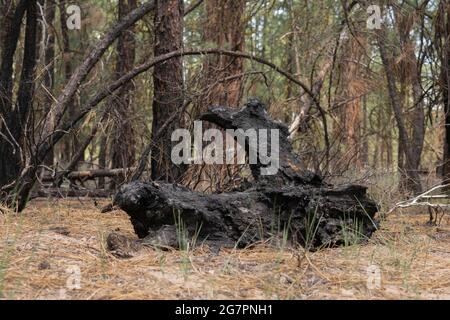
(293, 202)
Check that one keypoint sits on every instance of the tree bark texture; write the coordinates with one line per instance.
(168, 86)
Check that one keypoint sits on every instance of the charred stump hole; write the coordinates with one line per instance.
(291, 205)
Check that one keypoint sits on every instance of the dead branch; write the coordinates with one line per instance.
(94, 55)
(91, 174)
(71, 193)
(423, 200)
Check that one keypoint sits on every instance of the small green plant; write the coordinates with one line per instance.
(103, 252)
(182, 234)
(185, 244)
(284, 237)
(351, 231)
(311, 226)
(226, 265)
(365, 212)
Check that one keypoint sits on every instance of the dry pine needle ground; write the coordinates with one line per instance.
(54, 242)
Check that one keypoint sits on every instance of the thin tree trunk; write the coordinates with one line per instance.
(411, 169)
(349, 113)
(70, 144)
(102, 159)
(49, 61)
(412, 77)
(123, 141)
(26, 84)
(445, 91)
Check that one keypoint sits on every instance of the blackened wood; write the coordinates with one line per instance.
(308, 215)
(295, 203)
(254, 116)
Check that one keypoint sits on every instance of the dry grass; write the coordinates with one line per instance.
(39, 247)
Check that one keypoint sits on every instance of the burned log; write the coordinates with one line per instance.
(293, 203)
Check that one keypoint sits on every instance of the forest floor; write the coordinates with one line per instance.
(56, 249)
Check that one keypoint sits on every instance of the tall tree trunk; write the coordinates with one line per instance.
(13, 117)
(408, 145)
(444, 7)
(351, 90)
(49, 61)
(168, 86)
(6, 15)
(224, 27)
(102, 163)
(70, 143)
(410, 78)
(123, 141)
(26, 84)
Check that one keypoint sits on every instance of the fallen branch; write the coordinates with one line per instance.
(71, 193)
(422, 200)
(90, 174)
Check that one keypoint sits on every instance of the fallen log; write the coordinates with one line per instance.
(166, 214)
(90, 174)
(70, 193)
(293, 203)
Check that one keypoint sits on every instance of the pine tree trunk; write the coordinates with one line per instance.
(70, 143)
(123, 140)
(168, 86)
(349, 113)
(409, 144)
(224, 27)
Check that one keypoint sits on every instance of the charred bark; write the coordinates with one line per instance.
(13, 115)
(292, 202)
(9, 146)
(443, 47)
